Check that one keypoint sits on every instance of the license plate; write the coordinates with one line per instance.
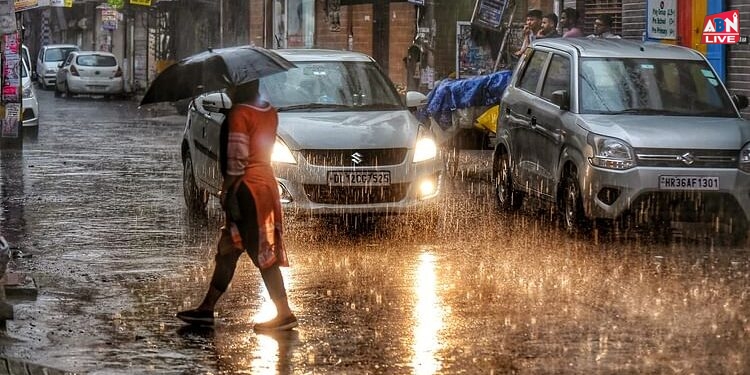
(688, 183)
(359, 178)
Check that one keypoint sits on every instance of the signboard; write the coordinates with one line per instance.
(61, 3)
(489, 13)
(26, 4)
(472, 59)
(141, 2)
(662, 19)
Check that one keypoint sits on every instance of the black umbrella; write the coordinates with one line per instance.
(214, 70)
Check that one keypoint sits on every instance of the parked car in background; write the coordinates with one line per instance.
(26, 57)
(347, 142)
(47, 61)
(610, 129)
(89, 72)
(30, 104)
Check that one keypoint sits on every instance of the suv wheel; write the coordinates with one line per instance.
(571, 206)
(507, 198)
(196, 200)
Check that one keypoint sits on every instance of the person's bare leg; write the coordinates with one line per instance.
(275, 285)
(285, 319)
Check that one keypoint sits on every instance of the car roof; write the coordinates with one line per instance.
(93, 53)
(48, 46)
(322, 55)
(619, 48)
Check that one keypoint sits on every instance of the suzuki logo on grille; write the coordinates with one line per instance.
(357, 158)
(687, 158)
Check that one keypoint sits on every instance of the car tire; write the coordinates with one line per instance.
(508, 199)
(572, 215)
(68, 94)
(58, 93)
(196, 200)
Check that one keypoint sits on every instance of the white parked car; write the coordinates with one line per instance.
(47, 61)
(30, 103)
(89, 72)
(347, 142)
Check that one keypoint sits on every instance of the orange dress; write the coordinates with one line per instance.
(252, 134)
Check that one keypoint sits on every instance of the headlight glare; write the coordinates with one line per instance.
(425, 148)
(745, 158)
(610, 153)
(281, 153)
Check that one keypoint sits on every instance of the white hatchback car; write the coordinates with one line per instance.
(89, 72)
(47, 61)
(347, 143)
(30, 103)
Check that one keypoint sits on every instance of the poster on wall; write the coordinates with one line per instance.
(11, 69)
(472, 59)
(662, 19)
(12, 120)
(488, 13)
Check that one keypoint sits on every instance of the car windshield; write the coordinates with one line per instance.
(652, 86)
(96, 60)
(57, 54)
(331, 86)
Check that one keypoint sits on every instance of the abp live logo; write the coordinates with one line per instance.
(722, 28)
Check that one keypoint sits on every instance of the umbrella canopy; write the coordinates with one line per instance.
(214, 70)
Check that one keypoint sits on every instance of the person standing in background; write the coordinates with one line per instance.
(549, 27)
(569, 23)
(530, 30)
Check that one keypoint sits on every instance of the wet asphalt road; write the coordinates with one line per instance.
(95, 199)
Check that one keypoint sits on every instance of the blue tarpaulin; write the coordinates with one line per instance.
(452, 94)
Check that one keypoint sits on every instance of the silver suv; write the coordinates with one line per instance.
(614, 129)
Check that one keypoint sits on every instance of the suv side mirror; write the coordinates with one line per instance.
(562, 99)
(60, 64)
(215, 102)
(740, 101)
(415, 99)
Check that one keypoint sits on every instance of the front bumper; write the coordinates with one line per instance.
(49, 79)
(305, 191)
(30, 116)
(610, 194)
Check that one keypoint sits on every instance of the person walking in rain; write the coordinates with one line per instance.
(251, 202)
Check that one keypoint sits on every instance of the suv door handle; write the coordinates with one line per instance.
(533, 120)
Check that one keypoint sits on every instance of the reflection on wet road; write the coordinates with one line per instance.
(96, 198)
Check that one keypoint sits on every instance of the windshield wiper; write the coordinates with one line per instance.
(650, 111)
(379, 106)
(298, 107)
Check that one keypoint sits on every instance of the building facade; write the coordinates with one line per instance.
(417, 42)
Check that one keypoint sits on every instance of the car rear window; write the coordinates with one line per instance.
(96, 60)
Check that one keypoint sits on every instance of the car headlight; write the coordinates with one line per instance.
(281, 153)
(27, 92)
(610, 153)
(425, 148)
(745, 158)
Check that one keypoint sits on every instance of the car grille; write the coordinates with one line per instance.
(359, 158)
(682, 158)
(356, 194)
